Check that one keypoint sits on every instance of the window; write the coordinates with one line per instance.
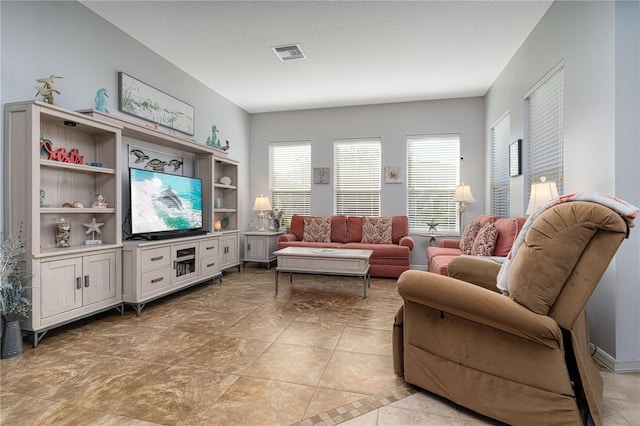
(290, 177)
(500, 188)
(544, 130)
(357, 166)
(433, 173)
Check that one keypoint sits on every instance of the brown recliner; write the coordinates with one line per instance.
(524, 358)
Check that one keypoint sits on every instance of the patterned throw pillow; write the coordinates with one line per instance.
(317, 229)
(485, 241)
(468, 236)
(376, 230)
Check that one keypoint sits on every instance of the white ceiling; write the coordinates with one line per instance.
(358, 52)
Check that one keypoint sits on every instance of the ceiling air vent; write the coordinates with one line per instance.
(289, 53)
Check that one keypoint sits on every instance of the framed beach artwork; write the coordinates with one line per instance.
(146, 102)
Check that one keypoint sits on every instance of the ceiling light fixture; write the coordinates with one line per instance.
(289, 52)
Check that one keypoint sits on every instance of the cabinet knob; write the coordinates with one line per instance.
(78, 283)
(211, 264)
(153, 259)
(86, 280)
(156, 280)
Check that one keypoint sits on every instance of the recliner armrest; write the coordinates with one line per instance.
(478, 270)
(479, 305)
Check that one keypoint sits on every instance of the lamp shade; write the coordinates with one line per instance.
(463, 194)
(262, 203)
(541, 193)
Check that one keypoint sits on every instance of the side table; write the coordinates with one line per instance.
(259, 247)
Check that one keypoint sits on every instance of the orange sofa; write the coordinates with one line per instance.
(438, 258)
(387, 260)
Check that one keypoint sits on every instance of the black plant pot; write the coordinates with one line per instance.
(12, 340)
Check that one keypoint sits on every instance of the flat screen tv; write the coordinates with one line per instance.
(163, 205)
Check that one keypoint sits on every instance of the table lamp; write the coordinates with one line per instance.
(541, 193)
(261, 204)
(463, 195)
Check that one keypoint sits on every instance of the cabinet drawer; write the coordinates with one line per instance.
(209, 248)
(154, 280)
(157, 258)
(209, 265)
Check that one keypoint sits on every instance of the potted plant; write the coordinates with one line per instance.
(14, 301)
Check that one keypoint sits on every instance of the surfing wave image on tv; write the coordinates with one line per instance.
(162, 202)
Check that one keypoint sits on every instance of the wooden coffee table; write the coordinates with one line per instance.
(305, 260)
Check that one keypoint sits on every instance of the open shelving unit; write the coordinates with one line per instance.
(78, 279)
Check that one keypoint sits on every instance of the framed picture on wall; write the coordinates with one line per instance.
(392, 174)
(515, 158)
(321, 175)
(147, 102)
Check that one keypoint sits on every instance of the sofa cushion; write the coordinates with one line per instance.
(376, 230)
(438, 264)
(381, 250)
(297, 226)
(399, 228)
(433, 251)
(469, 236)
(485, 241)
(285, 244)
(338, 227)
(508, 229)
(317, 229)
(354, 229)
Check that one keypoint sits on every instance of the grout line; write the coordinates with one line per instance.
(359, 407)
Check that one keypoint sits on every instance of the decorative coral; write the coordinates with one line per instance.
(13, 298)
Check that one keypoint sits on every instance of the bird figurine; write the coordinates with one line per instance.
(101, 100)
(226, 147)
(48, 88)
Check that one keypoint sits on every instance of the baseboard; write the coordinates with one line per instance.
(418, 267)
(609, 362)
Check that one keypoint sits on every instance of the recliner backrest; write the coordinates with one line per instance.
(565, 253)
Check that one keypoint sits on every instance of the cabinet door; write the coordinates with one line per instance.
(232, 250)
(229, 249)
(60, 286)
(256, 247)
(99, 279)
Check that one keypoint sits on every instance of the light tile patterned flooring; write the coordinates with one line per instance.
(235, 353)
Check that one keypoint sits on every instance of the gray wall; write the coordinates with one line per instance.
(392, 123)
(88, 52)
(600, 137)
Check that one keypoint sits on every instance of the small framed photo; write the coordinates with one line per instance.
(392, 174)
(515, 158)
(321, 175)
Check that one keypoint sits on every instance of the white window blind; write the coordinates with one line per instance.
(290, 177)
(357, 169)
(500, 179)
(433, 173)
(545, 131)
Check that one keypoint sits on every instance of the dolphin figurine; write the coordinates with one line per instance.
(170, 199)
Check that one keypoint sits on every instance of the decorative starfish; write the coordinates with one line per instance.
(432, 226)
(93, 226)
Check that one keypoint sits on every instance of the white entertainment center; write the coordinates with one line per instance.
(73, 278)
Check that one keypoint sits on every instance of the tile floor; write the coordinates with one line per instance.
(234, 353)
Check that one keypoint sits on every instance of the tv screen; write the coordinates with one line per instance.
(161, 202)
